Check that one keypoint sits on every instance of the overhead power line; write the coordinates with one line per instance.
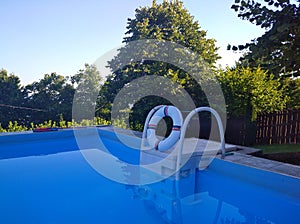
(23, 108)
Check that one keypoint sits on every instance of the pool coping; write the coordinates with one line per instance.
(244, 157)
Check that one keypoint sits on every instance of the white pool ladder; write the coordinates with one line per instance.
(183, 130)
(184, 127)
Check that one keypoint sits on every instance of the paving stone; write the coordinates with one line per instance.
(287, 169)
(261, 163)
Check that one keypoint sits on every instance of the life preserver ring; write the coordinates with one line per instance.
(174, 136)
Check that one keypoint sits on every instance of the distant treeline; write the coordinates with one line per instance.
(49, 99)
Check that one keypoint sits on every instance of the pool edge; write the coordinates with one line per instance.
(264, 164)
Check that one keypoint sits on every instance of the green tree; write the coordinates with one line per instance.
(168, 21)
(293, 92)
(10, 98)
(278, 50)
(88, 83)
(52, 95)
(249, 91)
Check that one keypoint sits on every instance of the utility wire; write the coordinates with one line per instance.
(24, 108)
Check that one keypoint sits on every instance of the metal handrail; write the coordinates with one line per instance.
(184, 127)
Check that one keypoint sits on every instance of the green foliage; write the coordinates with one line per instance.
(101, 121)
(62, 122)
(10, 97)
(278, 50)
(88, 81)
(13, 126)
(251, 91)
(52, 96)
(120, 123)
(138, 114)
(279, 148)
(171, 21)
(168, 21)
(2, 129)
(47, 124)
(293, 92)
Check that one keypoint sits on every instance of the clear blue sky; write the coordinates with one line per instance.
(39, 37)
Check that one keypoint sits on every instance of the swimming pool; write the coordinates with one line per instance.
(45, 179)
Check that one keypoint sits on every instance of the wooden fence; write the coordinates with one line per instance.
(278, 128)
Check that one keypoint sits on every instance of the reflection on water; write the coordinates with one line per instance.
(212, 203)
(210, 197)
(197, 208)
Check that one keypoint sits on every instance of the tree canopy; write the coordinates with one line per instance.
(171, 21)
(10, 97)
(88, 82)
(50, 98)
(293, 92)
(52, 95)
(278, 50)
(249, 91)
(168, 21)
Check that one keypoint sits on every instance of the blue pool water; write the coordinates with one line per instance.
(47, 180)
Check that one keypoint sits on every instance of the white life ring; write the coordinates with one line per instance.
(174, 136)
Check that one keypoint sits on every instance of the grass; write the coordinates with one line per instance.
(276, 148)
